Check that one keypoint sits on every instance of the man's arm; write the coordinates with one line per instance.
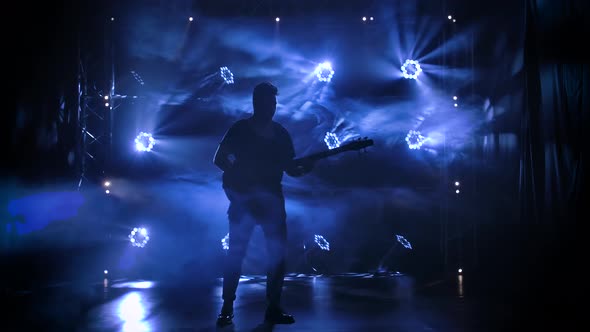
(224, 156)
(296, 167)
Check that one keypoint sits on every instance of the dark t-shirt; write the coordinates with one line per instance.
(259, 161)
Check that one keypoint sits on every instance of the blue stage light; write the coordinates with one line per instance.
(402, 240)
(331, 140)
(225, 242)
(324, 72)
(322, 242)
(415, 139)
(139, 237)
(227, 75)
(411, 69)
(144, 142)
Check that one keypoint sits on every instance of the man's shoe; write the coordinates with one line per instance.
(225, 319)
(278, 317)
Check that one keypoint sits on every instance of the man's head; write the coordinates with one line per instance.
(264, 101)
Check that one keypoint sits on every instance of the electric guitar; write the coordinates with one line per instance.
(355, 145)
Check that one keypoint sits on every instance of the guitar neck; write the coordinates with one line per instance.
(324, 154)
(355, 145)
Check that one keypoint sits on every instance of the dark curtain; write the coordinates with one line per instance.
(555, 116)
(40, 130)
(554, 157)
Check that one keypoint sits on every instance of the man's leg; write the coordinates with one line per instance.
(276, 238)
(240, 231)
(275, 232)
(239, 236)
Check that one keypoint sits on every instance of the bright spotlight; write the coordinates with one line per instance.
(460, 270)
(139, 237)
(454, 20)
(411, 69)
(454, 97)
(371, 18)
(324, 72)
(331, 140)
(106, 271)
(449, 17)
(107, 191)
(112, 18)
(456, 183)
(227, 75)
(225, 242)
(107, 183)
(457, 191)
(415, 139)
(364, 18)
(402, 240)
(322, 242)
(106, 104)
(190, 18)
(456, 105)
(144, 142)
(106, 97)
(277, 19)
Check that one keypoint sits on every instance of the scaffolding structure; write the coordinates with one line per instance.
(95, 108)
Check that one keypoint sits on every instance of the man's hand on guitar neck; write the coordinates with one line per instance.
(300, 166)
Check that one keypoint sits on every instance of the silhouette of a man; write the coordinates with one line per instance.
(253, 155)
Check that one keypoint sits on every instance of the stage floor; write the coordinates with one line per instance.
(344, 302)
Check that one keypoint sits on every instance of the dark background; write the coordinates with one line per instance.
(515, 142)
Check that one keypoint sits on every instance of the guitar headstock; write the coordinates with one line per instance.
(357, 144)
